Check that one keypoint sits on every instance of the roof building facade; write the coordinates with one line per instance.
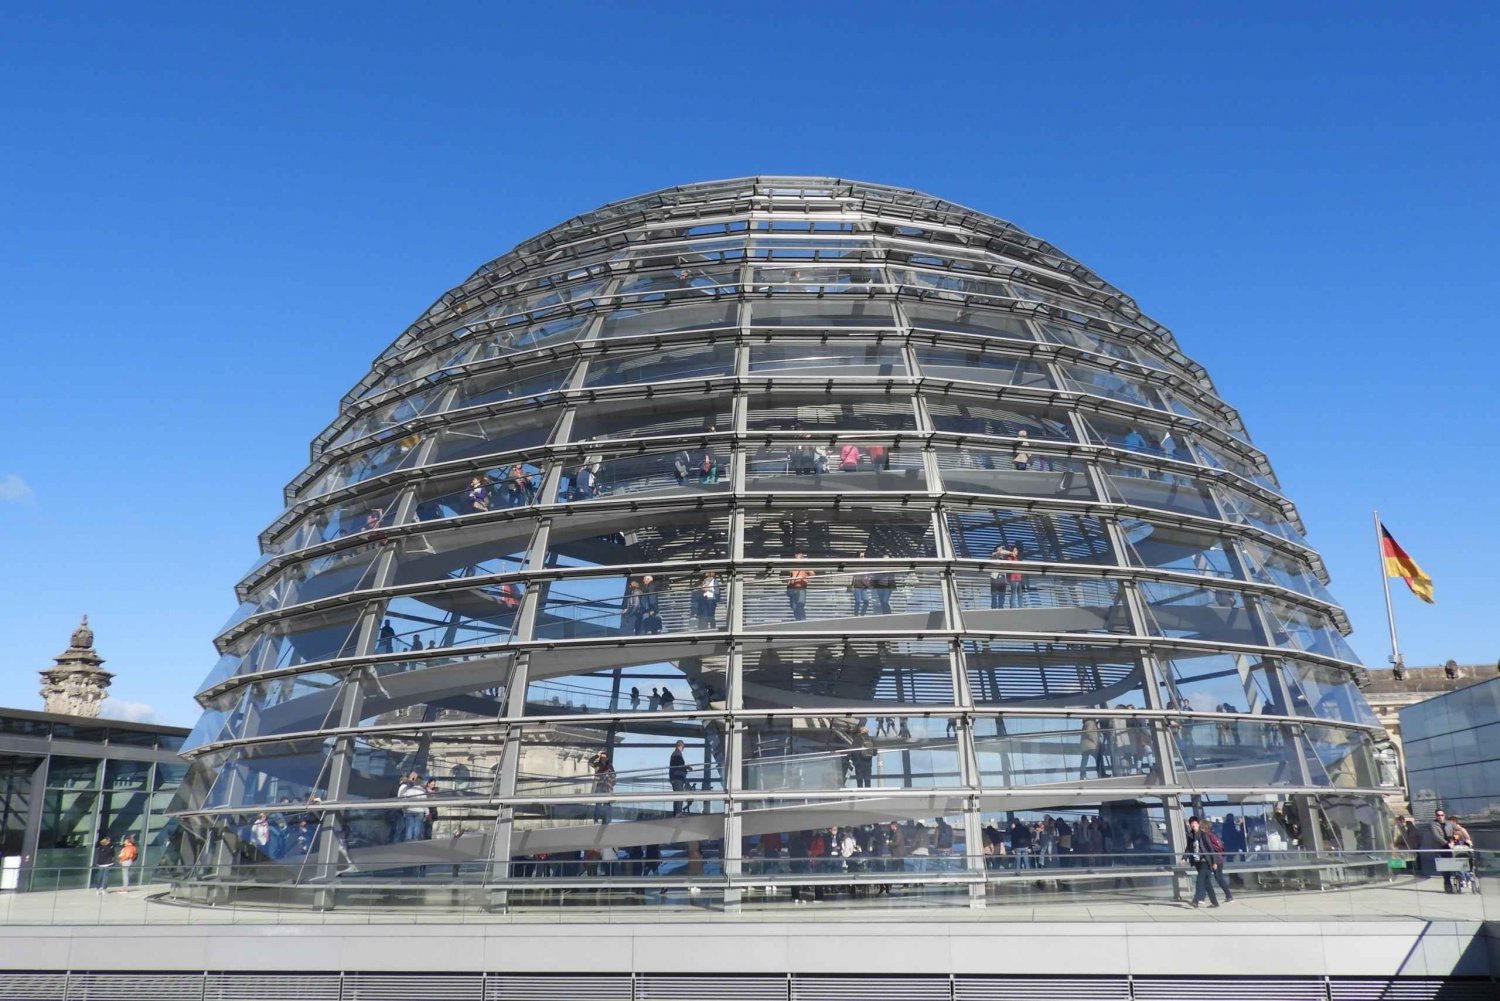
(729, 535)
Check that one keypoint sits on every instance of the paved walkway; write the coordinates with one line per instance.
(1404, 898)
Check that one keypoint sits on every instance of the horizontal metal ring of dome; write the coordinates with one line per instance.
(885, 556)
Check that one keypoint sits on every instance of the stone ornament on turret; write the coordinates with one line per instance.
(78, 683)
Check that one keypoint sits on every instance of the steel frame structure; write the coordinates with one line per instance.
(892, 386)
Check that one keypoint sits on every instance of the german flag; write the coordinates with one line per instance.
(1398, 564)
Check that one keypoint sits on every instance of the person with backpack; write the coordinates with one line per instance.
(863, 757)
(1216, 863)
(1198, 855)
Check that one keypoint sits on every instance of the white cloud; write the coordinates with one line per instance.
(14, 490)
(131, 712)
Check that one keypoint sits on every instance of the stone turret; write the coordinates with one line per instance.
(78, 683)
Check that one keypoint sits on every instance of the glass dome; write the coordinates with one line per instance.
(722, 526)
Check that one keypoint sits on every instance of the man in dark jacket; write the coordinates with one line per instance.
(863, 756)
(104, 860)
(1440, 836)
(1199, 857)
(677, 771)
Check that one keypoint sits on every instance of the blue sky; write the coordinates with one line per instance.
(214, 217)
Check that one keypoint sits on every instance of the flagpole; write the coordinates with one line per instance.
(1390, 611)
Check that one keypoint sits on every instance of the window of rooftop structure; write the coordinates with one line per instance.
(791, 672)
(1111, 385)
(1187, 611)
(1242, 509)
(812, 412)
(787, 754)
(879, 531)
(693, 361)
(845, 358)
(580, 683)
(1163, 490)
(1019, 470)
(633, 322)
(301, 639)
(857, 462)
(1041, 537)
(1296, 628)
(687, 414)
(960, 414)
(1210, 681)
(966, 320)
(1009, 598)
(981, 366)
(1172, 547)
(512, 384)
(817, 313)
(1138, 435)
(1063, 674)
(1269, 566)
(616, 539)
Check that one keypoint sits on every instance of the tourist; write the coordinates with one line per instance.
(796, 590)
(429, 822)
(849, 458)
(999, 577)
(635, 698)
(1199, 857)
(1235, 841)
(414, 814)
(387, 641)
(260, 834)
(1216, 862)
(478, 494)
(706, 601)
(1440, 836)
(655, 702)
(128, 854)
(1021, 458)
(104, 860)
(604, 785)
(1014, 578)
(1089, 745)
(632, 608)
(677, 772)
(885, 583)
(862, 584)
(863, 756)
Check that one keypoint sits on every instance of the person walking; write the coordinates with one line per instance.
(1198, 855)
(104, 860)
(677, 772)
(1216, 862)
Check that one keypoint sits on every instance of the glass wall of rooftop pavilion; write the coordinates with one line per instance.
(714, 520)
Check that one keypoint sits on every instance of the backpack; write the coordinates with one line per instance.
(1214, 844)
